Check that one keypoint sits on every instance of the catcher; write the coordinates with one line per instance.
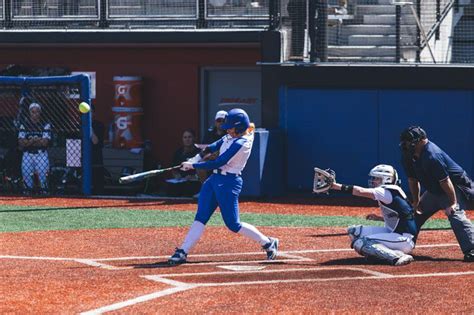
(392, 243)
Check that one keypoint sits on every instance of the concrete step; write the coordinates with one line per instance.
(379, 40)
(363, 29)
(362, 59)
(366, 51)
(379, 9)
(388, 19)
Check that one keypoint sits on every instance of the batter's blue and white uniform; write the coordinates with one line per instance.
(35, 159)
(223, 187)
(400, 231)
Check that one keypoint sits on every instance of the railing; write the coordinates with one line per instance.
(148, 13)
(312, 30)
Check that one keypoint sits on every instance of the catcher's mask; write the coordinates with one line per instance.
(410, 137)
(383, 175)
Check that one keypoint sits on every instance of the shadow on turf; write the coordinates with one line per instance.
(328, 235)
(363, 261)
(164, 264)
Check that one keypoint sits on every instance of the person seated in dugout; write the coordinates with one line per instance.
(213, 134)
(184, 183)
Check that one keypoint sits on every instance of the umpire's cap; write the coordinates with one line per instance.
(411, 136)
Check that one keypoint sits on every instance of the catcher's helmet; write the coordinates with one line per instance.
(383, 174)
(236, 118)
(411, 136)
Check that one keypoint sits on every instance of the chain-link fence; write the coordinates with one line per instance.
(429, 31)
(376, 31)
(41, 136)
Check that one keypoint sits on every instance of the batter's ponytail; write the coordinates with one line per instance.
(250, 129)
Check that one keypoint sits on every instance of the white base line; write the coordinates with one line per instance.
(139, 299)
(426, 275)
(161, 276)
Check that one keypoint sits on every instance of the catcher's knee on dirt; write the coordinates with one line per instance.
(370, 248)
(354, 232)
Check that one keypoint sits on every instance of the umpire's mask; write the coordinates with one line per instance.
(410, 137)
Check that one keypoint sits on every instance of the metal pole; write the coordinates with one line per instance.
(398, 20)
(322, 33)
(438, 17)
(103, 22)
(201, 20)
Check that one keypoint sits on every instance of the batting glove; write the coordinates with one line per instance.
(186, 166)
(195, 159)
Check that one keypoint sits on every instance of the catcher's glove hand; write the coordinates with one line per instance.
(323, 180)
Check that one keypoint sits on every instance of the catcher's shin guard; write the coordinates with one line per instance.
(371, 249)
(354, 232)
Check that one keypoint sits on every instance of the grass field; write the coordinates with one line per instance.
(35, 218)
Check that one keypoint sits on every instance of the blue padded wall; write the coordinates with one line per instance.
(353, 130)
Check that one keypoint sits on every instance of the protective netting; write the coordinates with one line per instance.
(41, 135)
(393, 31)
(429, 31)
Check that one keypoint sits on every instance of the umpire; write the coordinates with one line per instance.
(447, 185)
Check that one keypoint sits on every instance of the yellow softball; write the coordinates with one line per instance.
(84, 107)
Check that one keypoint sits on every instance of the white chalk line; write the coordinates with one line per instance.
(212, 273)
(180, 286)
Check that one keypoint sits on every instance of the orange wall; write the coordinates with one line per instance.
(171, 80)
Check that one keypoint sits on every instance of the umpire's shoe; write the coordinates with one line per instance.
(469, 256)
(271, 248)
(179, 257)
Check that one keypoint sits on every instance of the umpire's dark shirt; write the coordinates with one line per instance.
(432, 166)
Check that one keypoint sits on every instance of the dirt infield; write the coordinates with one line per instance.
(123, 270)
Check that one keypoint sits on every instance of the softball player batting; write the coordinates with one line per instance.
(394, 242)
(223, 187)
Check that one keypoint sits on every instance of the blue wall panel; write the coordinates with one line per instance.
(330, 128)
(447, 117)
(353, 130)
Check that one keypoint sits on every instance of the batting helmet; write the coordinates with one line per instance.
(236, 118)
(383, 175)
(411, 136)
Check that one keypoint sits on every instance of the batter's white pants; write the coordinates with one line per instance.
(35, 163)
(402, 242)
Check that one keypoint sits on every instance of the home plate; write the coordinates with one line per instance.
(242, 268)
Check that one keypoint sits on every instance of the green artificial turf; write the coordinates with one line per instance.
(16, 219)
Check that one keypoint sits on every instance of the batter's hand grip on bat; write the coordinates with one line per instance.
(140, 176)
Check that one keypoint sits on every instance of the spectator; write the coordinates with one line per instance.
(213, 134)
(184, 183)
(33, 139)
(98, 130)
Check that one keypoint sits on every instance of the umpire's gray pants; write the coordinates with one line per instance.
(460, 224)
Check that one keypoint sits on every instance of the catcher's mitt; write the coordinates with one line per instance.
(323, 180)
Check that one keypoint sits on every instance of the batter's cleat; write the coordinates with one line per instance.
(404, 260)
(271, 248)
(469, 256)
(179, 257)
